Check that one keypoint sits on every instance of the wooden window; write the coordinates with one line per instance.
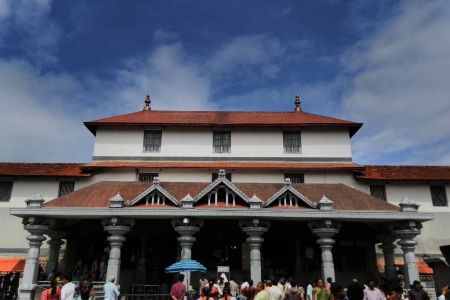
(438, 195)
(5, 190)
(378, 191)
(147, 177)
(215, 175)
(152, 140)
(222, 141)
(295, 177)
(66, 187)
(292, 141)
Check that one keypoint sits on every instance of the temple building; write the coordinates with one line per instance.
(257, 193)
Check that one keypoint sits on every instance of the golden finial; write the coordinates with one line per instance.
(147, 103)
(297, 103)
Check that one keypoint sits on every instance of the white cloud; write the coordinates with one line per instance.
(174, 81)
(41, 119)
(400, 86)
(246, 51)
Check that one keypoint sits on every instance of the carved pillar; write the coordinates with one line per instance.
(388, 247)
(406, 232)
(117, 228)
(325, 231)
(255, 229)
(187, 229)
(55, 244)
(37, 229)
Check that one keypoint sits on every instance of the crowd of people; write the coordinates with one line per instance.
(66, 289)
(223, 289)
(9, 283)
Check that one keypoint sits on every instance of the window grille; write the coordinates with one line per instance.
(5, 190)
(438, 195)
(147, 177)
(222, 141)
(152, 140)
(378, 191)
(66, 187)
(295, 177)
(292, 141)
(215, 175)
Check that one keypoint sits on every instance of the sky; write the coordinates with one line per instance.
(383, 63)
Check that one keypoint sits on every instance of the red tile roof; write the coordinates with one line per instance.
(221, 118)
(98, 194)
(42, 169)
(227, 165)
(439, 173)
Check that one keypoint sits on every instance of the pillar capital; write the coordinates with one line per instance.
(37, 227)
(117, 228)
(406, 232)
(325, 230)
(255, 228)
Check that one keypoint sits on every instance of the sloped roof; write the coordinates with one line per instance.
(405, 173)
(42, 169)
(221, 118)
(227, 165)
(98, 194)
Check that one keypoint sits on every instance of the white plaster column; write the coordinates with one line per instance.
(55, 244)
(325, 231)
(117, 228)
(388, 247)
(255, 229)
(407, 232)
(187, 228)
(37, 230)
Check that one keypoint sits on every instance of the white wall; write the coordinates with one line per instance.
(342, 177)
(197, 142)
(417, 192)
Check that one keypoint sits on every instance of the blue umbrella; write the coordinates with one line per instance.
(186, 265)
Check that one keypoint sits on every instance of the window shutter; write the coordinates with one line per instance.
(292, 141)
(66, 187)
(222, 141)
(438, 195)
(152, 140)
(5, 190)
(378, 191)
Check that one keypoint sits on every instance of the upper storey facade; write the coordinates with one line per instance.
(221, 136)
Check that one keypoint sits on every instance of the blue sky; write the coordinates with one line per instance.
(383, 63)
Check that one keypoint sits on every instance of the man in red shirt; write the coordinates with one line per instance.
(178, 289)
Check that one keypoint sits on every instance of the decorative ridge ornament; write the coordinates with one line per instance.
(147, 103)
(408, 206)
(187, 201)
(325, 203)
(35, 201)
(116, 201)
(287, 181)
(297, 103)
(222, 173)
(156, 180)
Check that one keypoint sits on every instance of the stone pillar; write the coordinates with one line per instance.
(255, 229)
(407, 232)
(388, 247)
(55, 244)
(117, 228)
(37, 230)
(325, 230)
(187, 228)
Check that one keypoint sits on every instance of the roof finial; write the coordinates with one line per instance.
(297, 103)
(147, 103)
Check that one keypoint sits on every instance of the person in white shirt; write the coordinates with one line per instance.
(68, 289)
(309, 291)
(110, 289)
(274, 291)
